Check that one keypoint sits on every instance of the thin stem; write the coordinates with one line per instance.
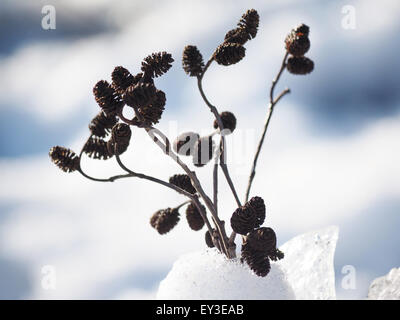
(182, 204)
(215, 182)
(217, 116)
(192, 197)
(272, 104)
(165, 146)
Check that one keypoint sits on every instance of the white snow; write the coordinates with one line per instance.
(386, 287)
(209, 275)
(306, 272)
(308, 264)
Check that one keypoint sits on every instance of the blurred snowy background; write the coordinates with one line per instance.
(331, 157)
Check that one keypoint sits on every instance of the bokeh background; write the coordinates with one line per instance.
(331, 156)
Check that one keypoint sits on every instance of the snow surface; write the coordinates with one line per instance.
(210, 275)
(306, 272)
(386, 287)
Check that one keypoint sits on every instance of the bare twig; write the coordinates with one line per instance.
(217, 116)
(169, 185)
(131, 174)
(215, 182)
(272, 104)
(165, 146)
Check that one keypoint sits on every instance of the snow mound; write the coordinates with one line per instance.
(309, 266)
(210, 275)
(386, 287)
(306, 272)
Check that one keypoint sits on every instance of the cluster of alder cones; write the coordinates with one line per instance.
(111, 133)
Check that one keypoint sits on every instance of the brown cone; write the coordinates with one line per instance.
(229, 53)
(96, 148)
(157, 64)
(209, 240)
(192, 61)
(263, 240)
(140, 95)
(228, 121)
(194, 217)
(300, 65)
(238, 35)
(102, 124)
(64, 158)
(257, 261)
(107, 98)
(183, 181)
(243, 220)
(257, 203)
(249, 22)
(120, 137)
(297, 45)
(165, 220)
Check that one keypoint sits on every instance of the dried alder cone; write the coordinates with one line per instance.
(229, 53)
(96, 148)
(183, 181)
(192, 61)
(157, 64)
(249, 22)
(165, 220)
(120, 138)
(297, 44)
(122, 79)
(238, 35)
(259, 248)
(102, 124)
(140, 95)
(243, 220)
(152, 113)
(258, 205)
(64, 158)
(228, 121)
(194, 218)
(107, 98)
(249, 216)
(300, 65)
(208, 239)
(297, 41)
